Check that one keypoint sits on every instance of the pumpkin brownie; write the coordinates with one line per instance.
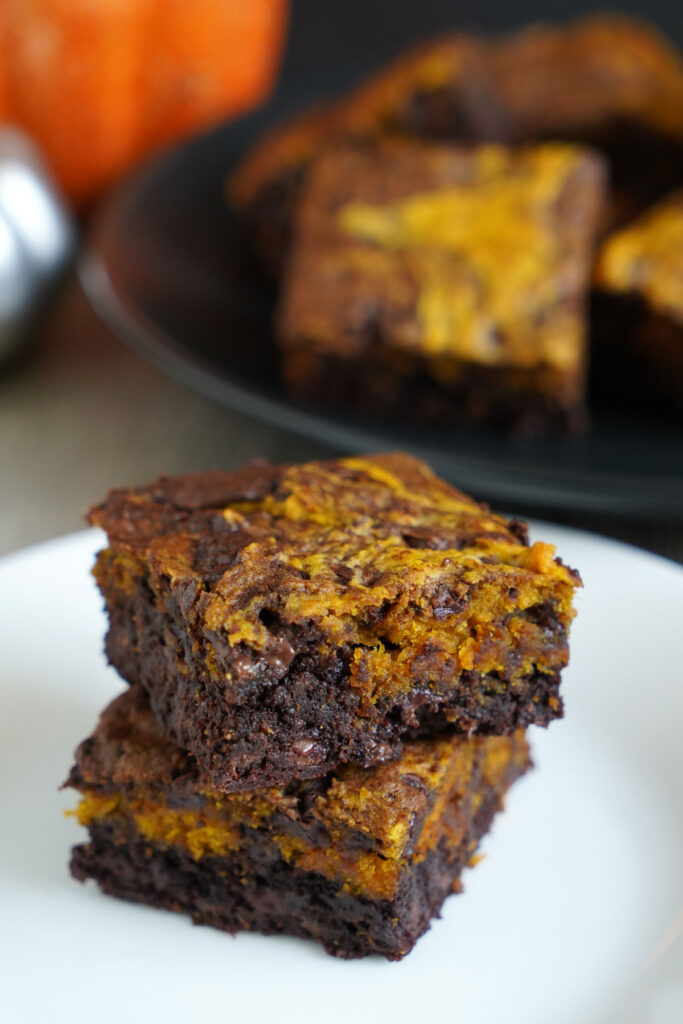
(443, 283)
(639, 307)
(609, 81)
(284, 619)
(360, 860)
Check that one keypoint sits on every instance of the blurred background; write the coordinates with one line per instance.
(96, 88)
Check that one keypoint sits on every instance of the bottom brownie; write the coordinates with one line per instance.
(256, 890)
(360, 860)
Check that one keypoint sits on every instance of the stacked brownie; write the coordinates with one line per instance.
(331, 668)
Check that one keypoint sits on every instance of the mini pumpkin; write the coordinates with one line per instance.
(99, 83)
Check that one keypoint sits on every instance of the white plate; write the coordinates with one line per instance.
(572, 917)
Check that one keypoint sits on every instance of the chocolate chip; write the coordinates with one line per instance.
(185, 592)
(213, 553)
(343, 572)
(424, 537)
(543, 615)
(370, 577)
(279, 658)
(519, 529)
(374, 615)
(448, 601)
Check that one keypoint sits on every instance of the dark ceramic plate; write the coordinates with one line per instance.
(168, 270)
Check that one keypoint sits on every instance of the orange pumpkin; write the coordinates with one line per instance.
(99, 83)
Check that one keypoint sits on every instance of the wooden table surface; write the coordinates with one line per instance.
(80, 412)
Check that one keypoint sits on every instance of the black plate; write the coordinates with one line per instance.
(168, 270)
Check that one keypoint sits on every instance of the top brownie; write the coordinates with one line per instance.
(287, 619)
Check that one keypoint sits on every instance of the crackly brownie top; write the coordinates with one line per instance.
(357, 823)
(472, 254)
(373, 555)
(355, 501)
(646, 258)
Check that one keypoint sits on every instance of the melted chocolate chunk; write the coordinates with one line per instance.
(215, 489)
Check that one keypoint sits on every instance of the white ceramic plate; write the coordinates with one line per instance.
(572, 917)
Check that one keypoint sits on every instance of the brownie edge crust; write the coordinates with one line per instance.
(284, 620)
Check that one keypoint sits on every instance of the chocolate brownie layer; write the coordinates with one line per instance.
(286, 619)
(360, 861)
(390, 384)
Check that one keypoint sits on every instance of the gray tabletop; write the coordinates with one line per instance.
(81, 413)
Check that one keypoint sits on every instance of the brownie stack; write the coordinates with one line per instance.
(331, 668)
